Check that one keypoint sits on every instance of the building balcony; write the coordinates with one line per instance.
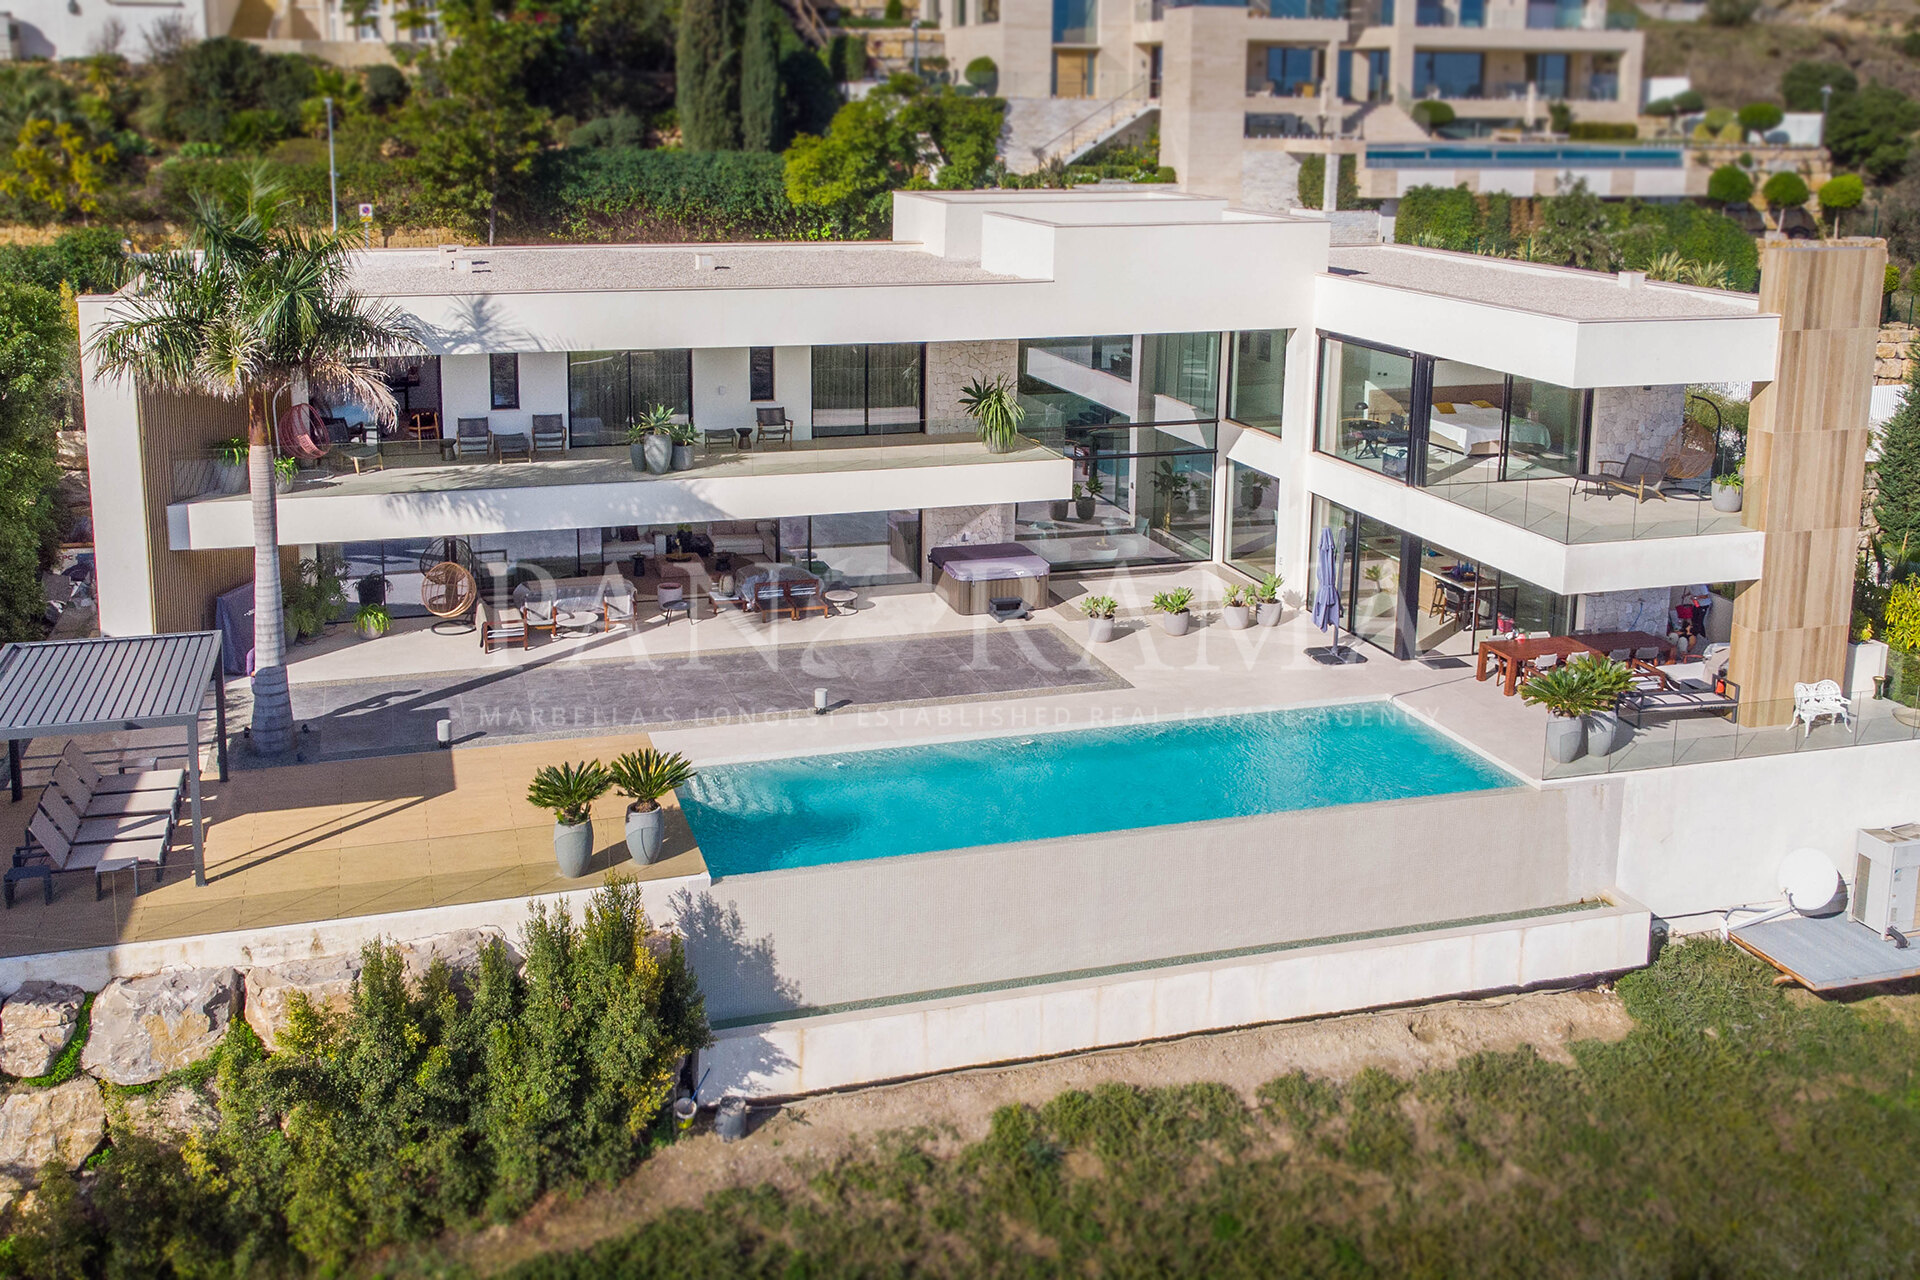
(419, 493)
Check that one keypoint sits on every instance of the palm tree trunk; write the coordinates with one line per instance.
(272, 702)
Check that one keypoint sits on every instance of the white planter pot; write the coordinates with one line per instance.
(1726, 498)
(1268, 615)
(657, 451)
(369, 633)
(1176, 623)
(1099, 630)
(1237, 616)
(1566, 738)
(645, 827)
(1866, 662)
(573, 848)
(683, 457)
(1605, 733)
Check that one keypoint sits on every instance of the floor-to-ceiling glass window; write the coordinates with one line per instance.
(1447, 74)
(1290, 71)
(606, 390)
(858, 548)
(1137, 421)
(1253, 532)
(1467, 426)
(1258, 381)
(1366, 405)
(1416, 599)
(869, 389)
(1545, 429)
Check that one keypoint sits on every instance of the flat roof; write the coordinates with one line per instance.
(1527, 286)
(604, 268)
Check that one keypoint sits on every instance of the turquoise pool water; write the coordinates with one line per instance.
(803, 812)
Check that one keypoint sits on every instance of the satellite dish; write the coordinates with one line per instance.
(1809, 881)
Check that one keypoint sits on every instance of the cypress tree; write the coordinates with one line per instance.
(707, 75)
(1896, 507)
(761, 114)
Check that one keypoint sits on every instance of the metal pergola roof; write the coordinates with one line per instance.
(113, 684)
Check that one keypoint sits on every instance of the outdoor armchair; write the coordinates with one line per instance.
(549, 432)
(472, 438)
(772, 423)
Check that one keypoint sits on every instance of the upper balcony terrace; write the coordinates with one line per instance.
(416, 490)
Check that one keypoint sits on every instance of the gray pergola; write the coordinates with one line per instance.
(115, 684)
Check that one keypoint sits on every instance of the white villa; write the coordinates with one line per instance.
(1495, 453)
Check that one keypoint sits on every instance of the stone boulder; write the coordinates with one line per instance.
(38, 1127)
(146, 1027)
(460, 948)
(166, 1117)
(326, 982)
(36, 1023)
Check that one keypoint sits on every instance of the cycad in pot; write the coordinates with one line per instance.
(644, 776)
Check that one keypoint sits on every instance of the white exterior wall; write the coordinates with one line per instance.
(466, 391)
(123, 566)
(56, 29)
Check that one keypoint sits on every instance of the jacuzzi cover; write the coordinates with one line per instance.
(989, 562)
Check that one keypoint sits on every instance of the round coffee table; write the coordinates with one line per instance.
(840, 598)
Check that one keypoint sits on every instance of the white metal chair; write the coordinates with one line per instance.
(1820, 701)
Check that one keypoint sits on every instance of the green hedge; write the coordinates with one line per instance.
(1601, 131)
(630, 193)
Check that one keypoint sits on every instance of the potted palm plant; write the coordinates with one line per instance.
(285, 472)
(1085, 495)
(1266, 600)
(1233, 608)
(1727, 490)
(371, 621)
(644, 776)
(1099, 611)
(1059, 507)
(1608, 680)
(1176, 609)
(649, 447)
(568, 792)
(684, 436)
(1567, 692)
(993, 404)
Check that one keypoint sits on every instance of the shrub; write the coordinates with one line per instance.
(1890, 279)
(1896, 503)
(1729, 185)
(1785, 190)
(628, 193)
(1759, 117)
(621, 129)
(1431, 114)
(1688, 101)
(1910, 44)
(1871, 131)
(386, 88)
(983, 75)
(1903, 616)
(1800, 85)
(1662, 107)
(1438, 217)
(1731, 13)
(1310, 185)
(1844, 191)
(1716, 120)
(1602, 131)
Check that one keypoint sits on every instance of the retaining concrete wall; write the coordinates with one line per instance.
(781, 941)
(810, 1054)
(94, 967)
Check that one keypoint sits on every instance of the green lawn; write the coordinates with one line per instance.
(1739, 1130)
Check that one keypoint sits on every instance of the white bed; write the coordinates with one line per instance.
(1474, 431)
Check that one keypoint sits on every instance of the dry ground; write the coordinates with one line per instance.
(788, 1142)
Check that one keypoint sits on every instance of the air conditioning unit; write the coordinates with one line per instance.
(1886, 878)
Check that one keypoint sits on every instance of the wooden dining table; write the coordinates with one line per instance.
(1512, 655)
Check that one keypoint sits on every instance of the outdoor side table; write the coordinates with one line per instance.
(840, 598)
(112, 866)
(32, 871)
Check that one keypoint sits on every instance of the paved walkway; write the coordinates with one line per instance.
(388, 715)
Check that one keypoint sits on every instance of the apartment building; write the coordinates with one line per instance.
(1236, 90)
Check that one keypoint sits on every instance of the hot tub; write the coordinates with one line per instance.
(971, 576)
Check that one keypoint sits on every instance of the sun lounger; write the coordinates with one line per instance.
(127, 780)
(49, 845)
(1680, 700)
(89, 804)
(102, 830)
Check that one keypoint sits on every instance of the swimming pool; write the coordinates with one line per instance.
(802, 812)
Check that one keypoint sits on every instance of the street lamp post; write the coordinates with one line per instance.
(333, 181)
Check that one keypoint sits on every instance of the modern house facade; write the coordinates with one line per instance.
(1238, 91)
(1201, 385)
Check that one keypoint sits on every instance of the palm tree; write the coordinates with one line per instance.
(249, 309)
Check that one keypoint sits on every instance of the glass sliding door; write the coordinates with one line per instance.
(1466, 426)
(868, 389)
(607, 390)
(1545, 429)
(1186, 368)
(859, 548)
(1253, 533)
(1366, 405)
(1376, 600)
(1256, 392)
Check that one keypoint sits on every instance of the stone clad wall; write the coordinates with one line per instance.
(951, 366)
(1893, 353)
(1642, 420)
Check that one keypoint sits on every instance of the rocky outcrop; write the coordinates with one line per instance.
(36, 1023)
(460, 949)
(166, 1117)
(62, 1125)
(327, 983)
(146, 1027)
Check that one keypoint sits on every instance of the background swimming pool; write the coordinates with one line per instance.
(810, 810)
